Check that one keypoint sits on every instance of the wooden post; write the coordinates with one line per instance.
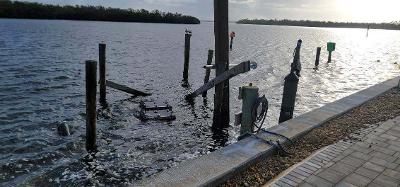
(296, 64)
(221, 32)
(249, 95)
(289, 97)
(187, 56)
(102, 74)
(231, 44)
(317, 57)
(330, 57)
(208, 71)
(290, 87)
(91, 86)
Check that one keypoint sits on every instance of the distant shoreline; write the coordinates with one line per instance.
(33, 19)
(28, 10)
(321, 24)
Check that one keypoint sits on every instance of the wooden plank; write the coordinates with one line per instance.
(211, 66)
(241, 68)
(125, 89)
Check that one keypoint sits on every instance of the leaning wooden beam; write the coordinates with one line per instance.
(125, 89)
(212, 66)
(241, 68)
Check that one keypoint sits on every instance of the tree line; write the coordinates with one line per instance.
(28, 10)
(395, 25)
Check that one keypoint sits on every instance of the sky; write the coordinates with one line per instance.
(319, 10)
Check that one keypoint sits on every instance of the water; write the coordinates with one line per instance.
(42, 84)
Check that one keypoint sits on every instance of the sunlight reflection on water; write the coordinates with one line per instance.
(42, 79)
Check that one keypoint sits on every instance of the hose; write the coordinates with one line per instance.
(258, 122)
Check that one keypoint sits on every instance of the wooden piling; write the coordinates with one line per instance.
(208, 71)
(290, 87)
(91, 86)
(102, 74)
(249, 95)
(330, 47)
(330, 57)
(289, 97)
(231, 44)
(221, 32)
(296, 64)
(318, 56)
(187, 56)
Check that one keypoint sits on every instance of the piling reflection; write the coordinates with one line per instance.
(220, 138)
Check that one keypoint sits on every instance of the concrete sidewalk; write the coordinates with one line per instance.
(371, 160)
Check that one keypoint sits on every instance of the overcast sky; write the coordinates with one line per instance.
(325, 10)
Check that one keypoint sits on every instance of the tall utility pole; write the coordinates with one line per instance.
(221, 31)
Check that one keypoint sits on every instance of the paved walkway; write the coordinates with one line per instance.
(373, 161)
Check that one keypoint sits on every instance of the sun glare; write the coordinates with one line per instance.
(370, 10)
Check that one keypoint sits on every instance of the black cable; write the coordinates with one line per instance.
(258, 122)
(263, 114)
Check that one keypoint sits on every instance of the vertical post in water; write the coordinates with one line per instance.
(221, 32)
(91, 85)
(330, 57)
(289, 97)
(188, 35)
(330, 47)
(290, 87)
(318, 56)
(296, 64)
(232, 36)
(102, 74)
(208, 70)
(231, 44)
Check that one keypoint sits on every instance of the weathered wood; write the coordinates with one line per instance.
(213, 66)
(125, 89)
(221, 32)
(290, 87)
(289, 97)
(231, 44)
(188, 35)
(91, 86)
(296, 64)
(330, 57)
(102, 73)
(318, 56)
(154, 105)
(249, 95)
(208, 71)
(241, 68)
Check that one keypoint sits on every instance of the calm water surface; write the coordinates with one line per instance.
(42, 85)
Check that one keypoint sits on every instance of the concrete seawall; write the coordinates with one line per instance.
(215, 168)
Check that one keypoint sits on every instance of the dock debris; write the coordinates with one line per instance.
(154, 110)
(63, 129)
(125, 89)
